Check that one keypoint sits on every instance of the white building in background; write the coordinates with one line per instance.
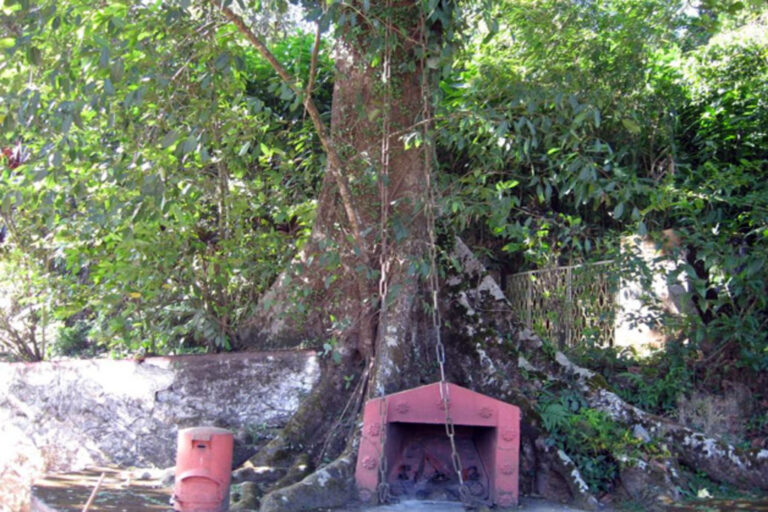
(644, 298)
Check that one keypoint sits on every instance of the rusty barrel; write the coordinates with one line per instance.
(203, 469)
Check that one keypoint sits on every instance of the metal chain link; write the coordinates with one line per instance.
(450, 427)
(445, 398)
(465, 494)
(383, 487)
(384, 262)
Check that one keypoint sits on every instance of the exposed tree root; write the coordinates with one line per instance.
(490, 352)
(652, 483)
(294, 452)
(719, 460)
(562, 464)
(329, 487)
(484, 301)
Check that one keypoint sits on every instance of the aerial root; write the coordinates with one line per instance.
(331, 486)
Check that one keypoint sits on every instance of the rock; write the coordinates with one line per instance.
(244, 475)
(550, 484)
(329, 487)
(168, 476)
(260, 474)
(559, 479)
(301, 468)
(247, 496)
(650, 483)
(143, 474)
(242, 451)
(639, 432)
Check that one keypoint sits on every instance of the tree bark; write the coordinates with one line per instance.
(363, 295)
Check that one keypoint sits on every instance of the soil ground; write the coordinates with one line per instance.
(122, 491)
(526, 505)
(118, 492)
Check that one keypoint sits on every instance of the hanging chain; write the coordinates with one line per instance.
(383, 487)
(384, 262)
(445, 390)
(434, 284)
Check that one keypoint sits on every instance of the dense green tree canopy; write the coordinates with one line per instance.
(170, 174)
(624, 120)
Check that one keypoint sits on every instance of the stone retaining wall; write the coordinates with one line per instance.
(66, 415)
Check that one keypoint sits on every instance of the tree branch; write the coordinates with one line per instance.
(336, 165)
(313, 64)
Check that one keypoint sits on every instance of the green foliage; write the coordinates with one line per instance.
(718, 198)
(588, 436)
(654, 383)
(699, 485)
(170, 179)
(591, 438)
(566, 117)
(629, 118)
(727, 80)
(73, 341)
(173, 175)
(27, 301)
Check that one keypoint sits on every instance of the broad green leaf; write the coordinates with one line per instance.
(104, 57)
(168, 139)
(618, 211)
(189, 144)
(631, 126)
(34, 55)
(117, 70)
(222, 61)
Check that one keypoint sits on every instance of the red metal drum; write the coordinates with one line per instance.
(203, 470)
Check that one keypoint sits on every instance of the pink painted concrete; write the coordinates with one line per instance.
(498, 446)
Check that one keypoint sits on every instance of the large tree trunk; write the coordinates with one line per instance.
(334, 292)
(359, 293)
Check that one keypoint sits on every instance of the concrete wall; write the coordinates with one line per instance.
(63, 416)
